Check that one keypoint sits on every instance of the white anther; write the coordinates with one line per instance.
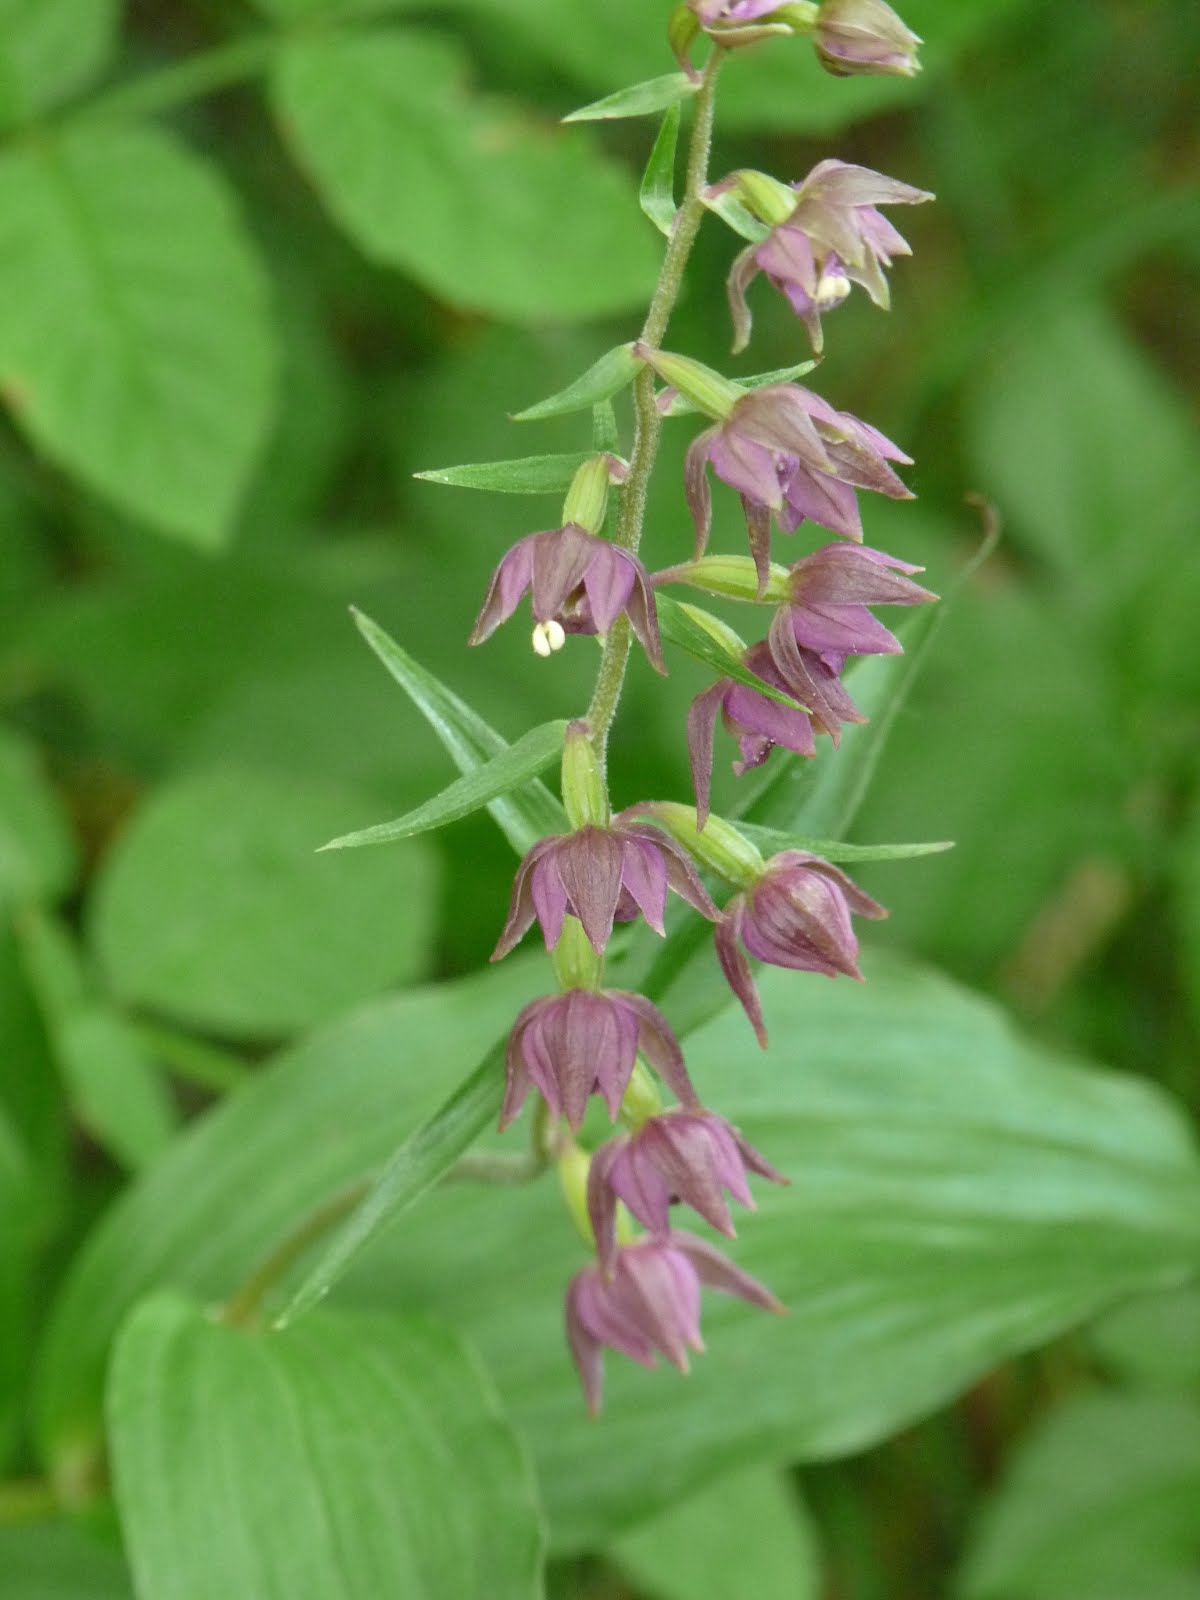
(548, 637)
(832, 289)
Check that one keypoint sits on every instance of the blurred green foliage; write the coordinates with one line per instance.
(258, 266)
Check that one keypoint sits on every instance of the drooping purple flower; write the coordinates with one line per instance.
(787, 451)
(569, 1046)
(710, 12)
(601, 876)
(647, 1301)
(829, 592)
(836, 236)
(578, 583)
(797, 915)
(864, 36)
(757, 722)
(689, 1155)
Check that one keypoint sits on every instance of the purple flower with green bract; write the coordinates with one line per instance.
(829, 592)
(572, 1045)
(602, 876)
(798, 916)
(578, 583)
(646, 1302)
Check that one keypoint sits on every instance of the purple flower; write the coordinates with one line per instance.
(829, 592)
(834, 237)
(864, 36)
(600, 875)
(647, 1300)
(787, 451)
(690, 1155)
(797, 915)
(572, 1045)
(578, 583)
(709, 12)
(757, 722)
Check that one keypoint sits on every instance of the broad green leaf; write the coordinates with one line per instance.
(527, 475)
(51, 49)
(354, 1457)
(604, 378)
(1154, 1341)
(1098, 1503)
(57, 1560)
(455, 189)
(746, 1537)
(522, 818)
(363, 1083)
(681, 406)
(639, 100)
(682, 630)
(772, 840)
(657, 193)
(112, 1086)
(957, 1196)
(37, 852)
(135, 348)
(425, 1156)
(212, 907)
(18, 1203)
(532, 753)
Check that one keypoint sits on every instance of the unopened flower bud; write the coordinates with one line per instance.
(713, 394)
(583, 791)
(864, 37)
(720, 848)
(587, 498)
(733, 577)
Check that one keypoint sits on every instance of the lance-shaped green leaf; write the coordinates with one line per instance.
(523, 818)
(604, 378)
(681, 406)
(771, 840)
(525, 475)
(639, 100)
(605, 434)
(355, 1456)
(513, 767)
(679, 626)
(428, 1152)
(657, 193)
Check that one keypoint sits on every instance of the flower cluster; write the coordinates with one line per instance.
(793, 459)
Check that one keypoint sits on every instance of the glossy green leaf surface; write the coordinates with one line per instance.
(523, 818)
(458, 190)
(135, 344)
(353, 1457)
(956, 1196)
(215, 908)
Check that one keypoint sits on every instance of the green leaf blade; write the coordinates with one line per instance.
(454, 188)
(657, 193)
(639, 100)
(135, 345)
(51, 50)
(523, 818)
(771, 840)
(685, 633)
(604, 378)
(354, 1457)
(524, 475)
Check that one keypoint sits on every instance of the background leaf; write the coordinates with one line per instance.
(135, 348)
(215, 908)
(37, 851)
(56, 1560)
(460, 192)
(50, 50)
(351, 1457)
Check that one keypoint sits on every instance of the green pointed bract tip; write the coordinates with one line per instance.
(587, 498)
(711, 393)
(764, 197)
(732, 643)
(734, 578)
(585, 797)
(682, 28)
(720, 847)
